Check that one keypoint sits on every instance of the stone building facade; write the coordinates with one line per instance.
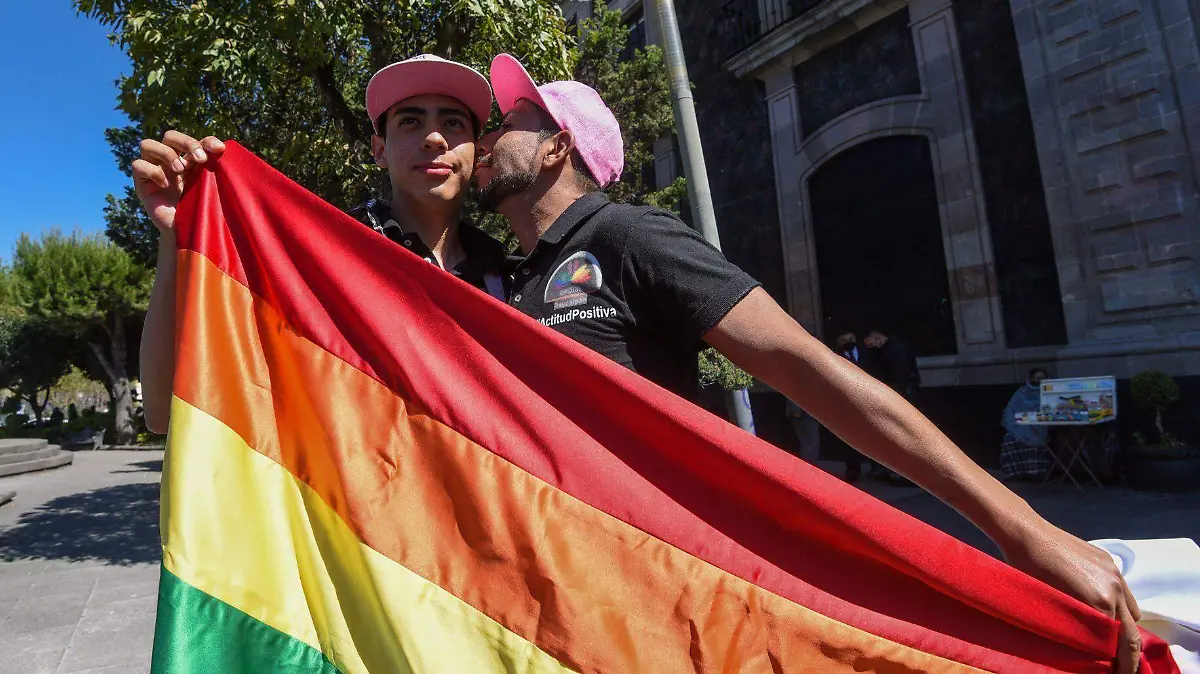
(1007, 183)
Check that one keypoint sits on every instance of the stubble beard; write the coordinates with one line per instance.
(506, 185)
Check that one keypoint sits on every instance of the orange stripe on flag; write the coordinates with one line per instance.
(589, 589)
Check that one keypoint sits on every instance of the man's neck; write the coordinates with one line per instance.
(437, 226)
(531, 213)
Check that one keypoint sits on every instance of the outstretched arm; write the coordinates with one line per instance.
(764, 340)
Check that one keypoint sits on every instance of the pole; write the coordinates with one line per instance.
(694, 169)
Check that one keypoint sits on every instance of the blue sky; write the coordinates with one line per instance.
(58, 98)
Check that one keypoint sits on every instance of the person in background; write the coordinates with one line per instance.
(895, 364)
(893, 361)
(1024, 453)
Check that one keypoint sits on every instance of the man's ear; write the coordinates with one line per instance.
(560, 152)
(378, 148)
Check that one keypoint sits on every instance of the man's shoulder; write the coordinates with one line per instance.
(623, 219)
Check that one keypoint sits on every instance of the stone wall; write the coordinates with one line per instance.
(1114, 90)
(876, 63)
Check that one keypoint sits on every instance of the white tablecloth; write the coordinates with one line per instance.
(1164, 576)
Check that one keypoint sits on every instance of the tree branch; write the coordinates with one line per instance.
(381, 47)
(105, 364)
(452, 38)
(355, 130)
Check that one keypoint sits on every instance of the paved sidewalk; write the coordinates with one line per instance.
(79, 555)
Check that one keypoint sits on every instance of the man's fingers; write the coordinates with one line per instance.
(213, 145)
(163, 155)
(185, 145)
(1129, 647)
(1131, 602)
(144, 171)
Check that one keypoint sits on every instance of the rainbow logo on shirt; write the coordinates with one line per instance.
(576, 278)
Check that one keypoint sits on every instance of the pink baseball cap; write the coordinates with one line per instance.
(428, 74)
(575, 107)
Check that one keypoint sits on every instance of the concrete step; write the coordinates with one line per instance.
(18, 445)
(32, 455)
(60, 458)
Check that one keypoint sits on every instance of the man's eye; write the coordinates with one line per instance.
(409, 120)
(457, 123)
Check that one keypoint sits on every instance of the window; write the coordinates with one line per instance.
(636, 21)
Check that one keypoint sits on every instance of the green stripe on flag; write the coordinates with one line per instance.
(200, 634)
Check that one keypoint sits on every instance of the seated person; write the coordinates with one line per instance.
(1025, 452)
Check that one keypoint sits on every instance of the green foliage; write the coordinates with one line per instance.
(716, 369)
(288, 79)
(1154, 390)
(1168, 450)
(33, 355)
(88, 291)
(79, 281)
(75, 386)
(16, 422)
(670, 197)
(638, 93)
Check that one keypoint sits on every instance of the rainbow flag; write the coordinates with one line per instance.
(373, 467)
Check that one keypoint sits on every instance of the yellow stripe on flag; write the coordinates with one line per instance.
(239, 527)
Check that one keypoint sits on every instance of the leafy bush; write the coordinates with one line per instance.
(1155, 391)
(715, 368)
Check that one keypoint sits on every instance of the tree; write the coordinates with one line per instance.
(93, 292)
(636, 89)
(31, 351)
(1155, 391)
(288, 80)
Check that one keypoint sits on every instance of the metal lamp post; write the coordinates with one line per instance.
(694, 169)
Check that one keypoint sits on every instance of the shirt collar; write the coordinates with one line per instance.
(583, 208)
(484, 254)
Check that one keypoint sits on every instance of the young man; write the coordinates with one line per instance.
(427, 113)
(640, 287)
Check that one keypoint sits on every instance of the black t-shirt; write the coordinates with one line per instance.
(632, 283)
(483, 267)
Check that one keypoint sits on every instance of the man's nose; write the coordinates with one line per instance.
(435, 139)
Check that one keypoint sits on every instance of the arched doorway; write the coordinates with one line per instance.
(878, 239)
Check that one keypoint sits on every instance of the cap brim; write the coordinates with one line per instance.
(416, 78)
(511, 83)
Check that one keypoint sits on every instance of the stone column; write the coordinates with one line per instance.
(794, 230)
(964, 221)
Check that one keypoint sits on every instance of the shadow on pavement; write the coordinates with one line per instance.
(117, 525)
(155, 466)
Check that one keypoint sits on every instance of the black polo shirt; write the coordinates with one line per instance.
(633, 283)
(483, 267)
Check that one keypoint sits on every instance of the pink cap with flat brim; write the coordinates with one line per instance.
(428, 74)
(575, 107)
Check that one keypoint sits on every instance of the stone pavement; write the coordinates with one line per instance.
(1095, 513)
(79, 555)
